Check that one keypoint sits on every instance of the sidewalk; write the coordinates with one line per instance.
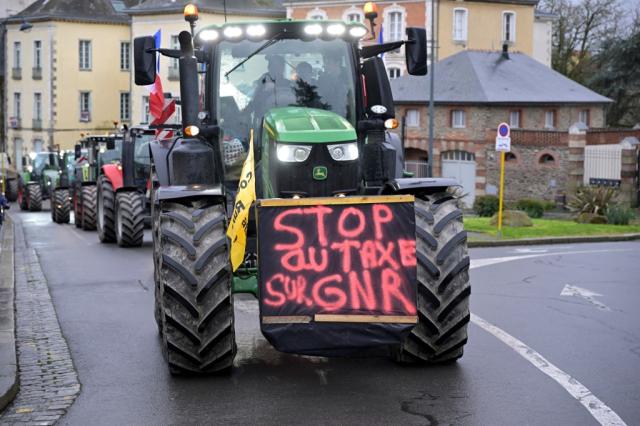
(8, 362)
(484, 240)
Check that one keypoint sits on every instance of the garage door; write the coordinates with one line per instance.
(461, 166)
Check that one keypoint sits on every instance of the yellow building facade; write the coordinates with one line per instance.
(64, 79)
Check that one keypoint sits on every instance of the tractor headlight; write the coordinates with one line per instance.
(344, 151)
(293, 153)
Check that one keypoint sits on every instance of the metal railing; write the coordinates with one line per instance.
(36, 124)
(36, 73)
(418, 168)
(602, 162)
(16, 73)
(174, 73)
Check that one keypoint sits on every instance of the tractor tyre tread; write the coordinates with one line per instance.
(129, 219)
(60, 206)
(12, 190)
(196, 302)
(443, 284)
(34, 194)
(89, 210)
(106, 195)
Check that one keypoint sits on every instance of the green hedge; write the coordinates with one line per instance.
(619, 215)
(533, 208)
(486, 205)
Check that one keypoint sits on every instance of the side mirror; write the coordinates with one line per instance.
(379, 96)
(416, 51)
(144, 61)
(77, 151)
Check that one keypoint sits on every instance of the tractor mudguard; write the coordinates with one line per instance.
(114, 173)
(418, 185)
(174, 192)
(160, 156)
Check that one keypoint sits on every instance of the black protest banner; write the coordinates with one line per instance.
(336, 259)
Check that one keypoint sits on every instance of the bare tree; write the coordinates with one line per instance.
(579, 31)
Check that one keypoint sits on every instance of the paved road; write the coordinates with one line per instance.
(104, 299)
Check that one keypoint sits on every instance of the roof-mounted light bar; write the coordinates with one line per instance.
(254, 31)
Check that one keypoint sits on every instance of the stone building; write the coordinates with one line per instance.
(475, 91)
(461, 25)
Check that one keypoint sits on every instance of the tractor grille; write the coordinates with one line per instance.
(297, 178)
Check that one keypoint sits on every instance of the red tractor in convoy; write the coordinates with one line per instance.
(123, 206)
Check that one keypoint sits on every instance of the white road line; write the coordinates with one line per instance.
(588, 295)
(598, 409)
(479, 263)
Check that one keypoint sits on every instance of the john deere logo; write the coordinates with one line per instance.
(320, 173)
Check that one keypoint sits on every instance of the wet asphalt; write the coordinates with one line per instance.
(103, 296)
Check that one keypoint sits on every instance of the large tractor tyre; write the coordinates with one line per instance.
(77, 208)
(34, 198)
(155, 235)
(12, 190)
(443, 284)
(60, 206)
(195, 289)
(89, 207)
(129, 219)
(22, 198)
(106, 211)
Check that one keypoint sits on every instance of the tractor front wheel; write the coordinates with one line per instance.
(443, 283)
(34, 198)
(195, 288)
(60, 206)
(77, 208)
(89, 198)
(129, 219)
(106, 211)
(12, 190)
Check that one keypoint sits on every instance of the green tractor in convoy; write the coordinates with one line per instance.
(37, 182)
(91, 154)
(345, 255)
(8, 177)
(62, 194)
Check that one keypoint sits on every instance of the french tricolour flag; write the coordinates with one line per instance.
(160, 108)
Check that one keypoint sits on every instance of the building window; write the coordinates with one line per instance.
(509, 27)
(547, 159)
(125, 56)
(514, 119)
(175, 44)
(549, 119)
(413, 118)
(17, 55)
(395, 26)
(37, 106)
(458, 119)
(85, 54)
(145, 110)
(584, 117)
(460, 24)
(37, 145)
(125, 106)
(85, 107)
(37, 54)
(17, 105)
(354, 17)
(317, 15)
(394, 72)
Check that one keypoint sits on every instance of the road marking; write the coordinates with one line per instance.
(479, 263)
(588, 295)
(598, 409)
(530, 250)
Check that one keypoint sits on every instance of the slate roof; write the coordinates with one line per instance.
(268, 8)
(480, 77)
(74, 10)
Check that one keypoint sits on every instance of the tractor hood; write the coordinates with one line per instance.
(307, 125)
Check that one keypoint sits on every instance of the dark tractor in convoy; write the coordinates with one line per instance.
(345, 255)
(91, 154)
(37, 181)
(8, 177)
(62, 194)
(123, 206)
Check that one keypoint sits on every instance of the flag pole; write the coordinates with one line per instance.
(431, 86)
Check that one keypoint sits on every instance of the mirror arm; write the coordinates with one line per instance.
(367, 52)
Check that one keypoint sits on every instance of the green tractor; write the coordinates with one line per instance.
(91, 154)
(37, 182)
(8, 178)
(62, 194)
(345, 255)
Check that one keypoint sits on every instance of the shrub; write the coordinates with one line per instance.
(592, 199)
(620, 215)
(549, 205)
(512, 218)
(486, 205)
(592, 218)
(533, 208)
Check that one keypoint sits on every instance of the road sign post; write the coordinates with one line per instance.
(503, 145)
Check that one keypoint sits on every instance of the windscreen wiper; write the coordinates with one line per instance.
(266, 44)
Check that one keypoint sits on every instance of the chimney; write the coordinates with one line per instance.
(505, 51)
